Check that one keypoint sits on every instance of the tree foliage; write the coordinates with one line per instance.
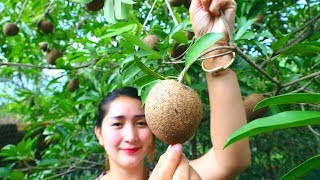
(278, 51)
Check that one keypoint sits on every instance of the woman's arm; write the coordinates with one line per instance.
(227, 112)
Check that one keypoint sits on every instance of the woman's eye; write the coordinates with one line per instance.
(116, 124)
(142, 123)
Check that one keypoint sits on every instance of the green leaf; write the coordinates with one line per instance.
(128, 1)
(180, 37)
(144, 90)
(281, 42)
(303, 168)
(135, 40)
(200, 45)
(144, 80)
(82, 1)
(114, 31)
(279, 121)
(243, 28)
(146, 69)
(302, 49)
(289, 99)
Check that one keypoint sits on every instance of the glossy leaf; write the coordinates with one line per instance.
(147, 70)
(135, 40)
(303, 168)
(289, 99)
(243, 29)
(82, 1)
(201, 45)
(275, 122)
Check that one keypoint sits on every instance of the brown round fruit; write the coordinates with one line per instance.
(73, 84)
(52, 56)
(46, 26)
(173, 111)
(151, 40)
(250, 102)
(10, 29)
(176, 3)
(178, 50)
(95, 5)
(187, 4)
(43, 46)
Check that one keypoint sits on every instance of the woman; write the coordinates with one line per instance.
(127, 140)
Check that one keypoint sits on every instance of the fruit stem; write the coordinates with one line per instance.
(146, 20)
(170, 10)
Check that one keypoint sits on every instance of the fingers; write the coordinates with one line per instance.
(183, 170)
(194, 174)
(215, 5)
(205, 4)
(168, 163)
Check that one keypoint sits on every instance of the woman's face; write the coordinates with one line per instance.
(124, 132)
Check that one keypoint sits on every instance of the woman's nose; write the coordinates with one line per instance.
(130, 134)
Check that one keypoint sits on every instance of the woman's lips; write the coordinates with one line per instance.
(130, 150)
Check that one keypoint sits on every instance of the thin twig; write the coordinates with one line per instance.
(148, 16)
(309, 23)
(241, 54)
(302, 88)
(172, 14)
(46, 67)
(21, 11)
(301, 79)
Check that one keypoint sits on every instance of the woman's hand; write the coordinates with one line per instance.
(205, 16)
(173, 165)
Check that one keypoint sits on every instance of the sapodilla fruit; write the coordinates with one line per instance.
(43, 46)
(176, 3)
(250, 102)
(178, 49)
(151, 40)
(73, 84)
(10, 29)
(46, 26)
(52, 56)
(95, 5)
(173, 111)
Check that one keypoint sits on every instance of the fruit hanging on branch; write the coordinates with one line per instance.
(46, 26)
(250, 102)
(52, 56)
(43, 46)
(73, 84)
(179, 49)
(173, 111)
(151, 40)
(176, 3)
(95, 5)
(10, 29)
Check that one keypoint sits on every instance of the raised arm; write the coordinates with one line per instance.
(227, 112)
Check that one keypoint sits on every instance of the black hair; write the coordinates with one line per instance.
(104, 104)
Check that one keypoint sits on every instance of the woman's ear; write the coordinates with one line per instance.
(97, 131)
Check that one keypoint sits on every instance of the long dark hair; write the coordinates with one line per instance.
(104, 104)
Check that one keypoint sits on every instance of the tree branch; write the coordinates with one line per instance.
(21, 11)
(47, 67)
(301, 79)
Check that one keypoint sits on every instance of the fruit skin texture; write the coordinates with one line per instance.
(173, 111)
(10, 29)
(46, 26)
(52, 56)
(73, 84)
(95, 5)
(150, 40)
(176, 3)
(250, 102)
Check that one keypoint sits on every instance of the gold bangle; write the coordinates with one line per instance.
(219, 69)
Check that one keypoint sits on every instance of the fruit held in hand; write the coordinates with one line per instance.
(10, 29)
(250, 102)
(73, 84)
(95, 5)
(151, 40)
(46, 26)
(52, 56)
(173, 111)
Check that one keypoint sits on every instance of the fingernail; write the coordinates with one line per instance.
(177, 147)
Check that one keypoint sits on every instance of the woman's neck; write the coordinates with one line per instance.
(135, 173)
